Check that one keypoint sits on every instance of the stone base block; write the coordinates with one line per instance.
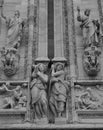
(89, 116)
(12, 116)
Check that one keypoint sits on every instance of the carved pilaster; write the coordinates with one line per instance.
(58, 31)
(71, 52)
(42, 43)
(30, 45)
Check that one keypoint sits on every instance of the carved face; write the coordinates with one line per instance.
(17, 14)
(41, 68)
(59, 67)
(18, 88)
(87, 12)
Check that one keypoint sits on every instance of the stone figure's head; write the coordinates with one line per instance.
(59, 66)
(17, 13)
(18, 88)
(87, 12)
(41, 67)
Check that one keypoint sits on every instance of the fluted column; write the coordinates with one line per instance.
(42, 43)
(58, 31)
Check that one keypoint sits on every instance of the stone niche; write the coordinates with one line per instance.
(89, 101)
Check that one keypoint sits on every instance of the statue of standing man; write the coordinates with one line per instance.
(90, 27)
(14, 28)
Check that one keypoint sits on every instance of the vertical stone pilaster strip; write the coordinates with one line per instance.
(100, 13)
(43, 41)
(30, 45)
(58, 31)
(72, 53)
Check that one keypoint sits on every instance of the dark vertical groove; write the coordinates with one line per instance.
(50, 29)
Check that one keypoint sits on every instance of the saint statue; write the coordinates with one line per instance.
(14, 28)
(90, 28)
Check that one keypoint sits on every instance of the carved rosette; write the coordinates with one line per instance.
(91, 60)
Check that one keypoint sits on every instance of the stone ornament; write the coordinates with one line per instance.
(92, 40)
(10, 61)
(39, 80)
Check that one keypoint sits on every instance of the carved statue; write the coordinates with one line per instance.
(17, 100)
(14, 28)
(10, 59)
(38, 90)
(58, 90)
(91, 61)
(90, 28)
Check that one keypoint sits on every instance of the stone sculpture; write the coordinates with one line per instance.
(14, 29)
(92, 39)
(91, 28)
(58, 90)
(38, 90)
(10, 59)
(91, 60)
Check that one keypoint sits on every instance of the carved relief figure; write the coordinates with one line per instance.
(58, 90)
(90, 28)
(17, 100)
(89, 98)
(38, 90)
(14, 28)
